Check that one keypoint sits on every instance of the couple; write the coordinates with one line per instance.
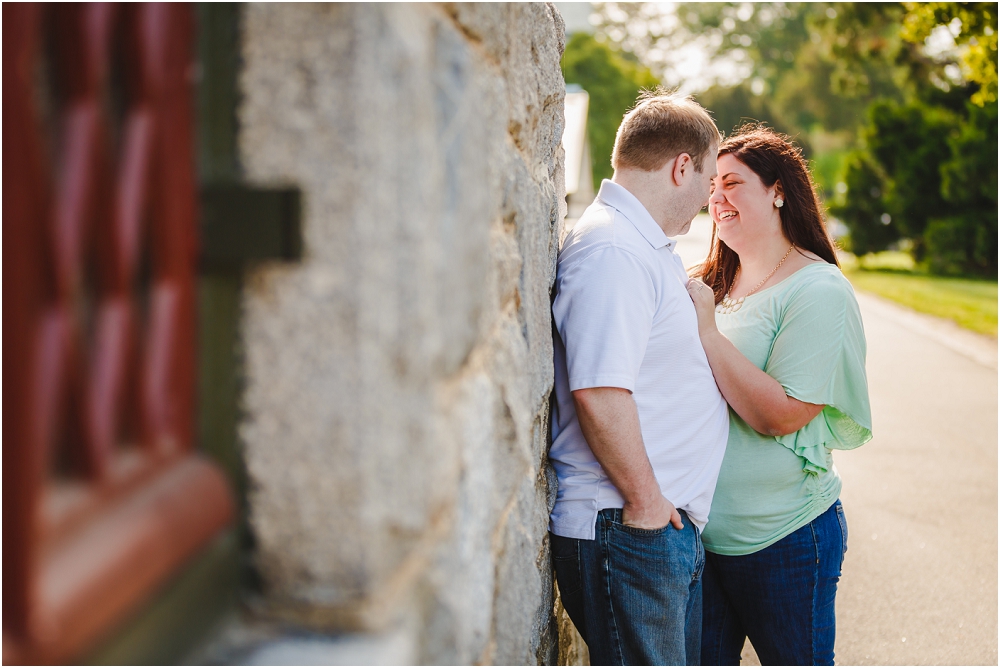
(682, 525)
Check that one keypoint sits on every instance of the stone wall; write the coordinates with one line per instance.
(398, 377)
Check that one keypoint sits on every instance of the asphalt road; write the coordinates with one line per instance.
(920, 575)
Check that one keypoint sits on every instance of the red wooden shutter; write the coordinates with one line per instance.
(103, 498)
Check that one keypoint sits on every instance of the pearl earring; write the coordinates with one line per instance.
(778, 203)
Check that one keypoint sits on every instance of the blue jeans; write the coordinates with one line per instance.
(781, 597)
(634, 594)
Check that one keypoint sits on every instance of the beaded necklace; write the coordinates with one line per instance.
(729, 305)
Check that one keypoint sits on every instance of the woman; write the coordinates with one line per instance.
(782, 331)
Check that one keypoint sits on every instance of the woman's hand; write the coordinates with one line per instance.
(756, 397)
(704, 305)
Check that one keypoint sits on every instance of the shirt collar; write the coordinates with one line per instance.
(626, 203)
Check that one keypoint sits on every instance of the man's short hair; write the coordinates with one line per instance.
(661, 126)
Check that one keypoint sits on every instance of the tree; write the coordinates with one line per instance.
(613, 82)
(910, 143)
(734, 105)
(739, 40)
(774, 62)
(964, 239)
(935, 153)
(862, 208)
(974, 26)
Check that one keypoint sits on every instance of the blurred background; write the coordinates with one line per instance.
(894, 105)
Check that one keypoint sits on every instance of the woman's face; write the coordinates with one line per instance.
(741, 206)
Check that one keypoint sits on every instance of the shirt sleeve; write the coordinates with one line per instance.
(818, 356)
(603, 312)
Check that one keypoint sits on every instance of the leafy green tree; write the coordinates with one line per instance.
(792, 54)
(936, 151)
(869, 57)
(976, 23)
(862, 208)
(781, 64)
(732, 106)
(964, 239)
(910, 143)
(751, 40)
(969, 178)
(613, 82)
(935, 172)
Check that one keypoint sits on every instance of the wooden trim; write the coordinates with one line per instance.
(91, 578)
(103, 500)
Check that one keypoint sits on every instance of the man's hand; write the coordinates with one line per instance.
(653, 516)
(610, 423)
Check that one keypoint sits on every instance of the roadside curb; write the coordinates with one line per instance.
(978, 347)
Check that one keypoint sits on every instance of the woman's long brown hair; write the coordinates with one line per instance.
(774, 159)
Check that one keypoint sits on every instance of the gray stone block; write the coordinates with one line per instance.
(397, 378)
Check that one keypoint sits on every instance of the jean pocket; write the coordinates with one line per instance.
(843, 523)
(566, 560)
(636, 531)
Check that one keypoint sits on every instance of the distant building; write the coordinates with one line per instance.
(579, 166)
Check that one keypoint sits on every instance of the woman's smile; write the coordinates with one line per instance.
(741, 205)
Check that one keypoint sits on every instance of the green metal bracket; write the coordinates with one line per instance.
(241, 224)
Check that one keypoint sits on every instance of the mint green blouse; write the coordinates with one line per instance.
(806, 333)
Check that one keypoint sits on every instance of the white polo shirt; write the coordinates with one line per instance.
(625, 320)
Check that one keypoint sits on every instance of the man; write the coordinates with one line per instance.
(640, 427)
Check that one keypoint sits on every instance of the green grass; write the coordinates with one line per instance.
(972, 303)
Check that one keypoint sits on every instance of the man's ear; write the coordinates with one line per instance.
(683, 166)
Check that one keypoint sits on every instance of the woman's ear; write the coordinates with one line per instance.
(778, 191)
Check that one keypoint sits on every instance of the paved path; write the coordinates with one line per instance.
(920, 575)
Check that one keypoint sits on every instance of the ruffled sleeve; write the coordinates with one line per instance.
(818, 356)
